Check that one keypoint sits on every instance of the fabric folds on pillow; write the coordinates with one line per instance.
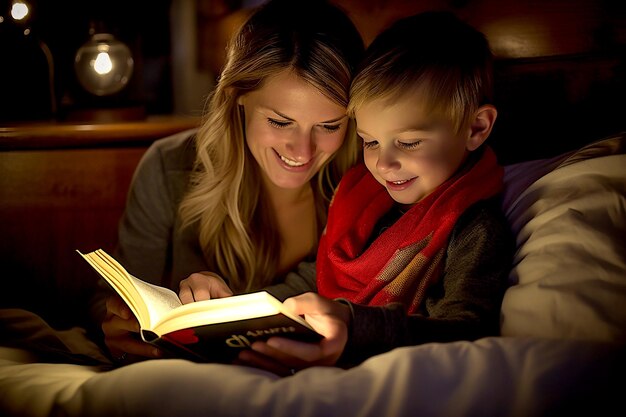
(569, 274)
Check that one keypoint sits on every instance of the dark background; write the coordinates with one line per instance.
(64, 26)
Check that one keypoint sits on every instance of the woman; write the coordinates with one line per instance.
(271, 149)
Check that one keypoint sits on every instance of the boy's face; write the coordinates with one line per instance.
(409, 152)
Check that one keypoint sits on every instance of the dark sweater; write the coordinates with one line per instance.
(463, 305)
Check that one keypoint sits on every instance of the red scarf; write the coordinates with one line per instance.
(407, 257)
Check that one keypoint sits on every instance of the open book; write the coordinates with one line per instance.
(207, 331)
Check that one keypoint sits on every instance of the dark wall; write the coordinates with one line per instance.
(143, 25)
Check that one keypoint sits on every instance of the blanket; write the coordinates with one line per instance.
(495, 376)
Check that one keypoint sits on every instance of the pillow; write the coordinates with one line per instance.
(569, 271)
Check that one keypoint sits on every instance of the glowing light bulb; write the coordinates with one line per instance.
(103, 65)
(19, 10)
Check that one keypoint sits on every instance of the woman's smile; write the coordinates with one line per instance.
(290, 163)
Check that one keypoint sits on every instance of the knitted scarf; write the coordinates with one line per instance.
(408, 256)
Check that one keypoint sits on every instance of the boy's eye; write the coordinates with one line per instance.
(369, 144)
(277, 123)
(410, 145)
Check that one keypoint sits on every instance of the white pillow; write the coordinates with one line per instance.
(569, 272)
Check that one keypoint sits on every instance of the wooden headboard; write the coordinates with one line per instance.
(63, 187)
(560, 72)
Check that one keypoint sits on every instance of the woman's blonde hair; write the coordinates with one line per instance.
(237, 229)
(445, 58)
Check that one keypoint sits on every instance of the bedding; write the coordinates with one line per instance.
(489, 377)
(569, 274)
(562, 347)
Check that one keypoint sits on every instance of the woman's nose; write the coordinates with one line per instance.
(301, 146)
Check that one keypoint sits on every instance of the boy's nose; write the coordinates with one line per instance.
(387, 160)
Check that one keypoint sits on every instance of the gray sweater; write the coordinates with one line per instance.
(151, 245)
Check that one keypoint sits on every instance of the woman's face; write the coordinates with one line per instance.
(292, 129)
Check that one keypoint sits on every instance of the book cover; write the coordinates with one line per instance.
(205, 331)
(221, 342)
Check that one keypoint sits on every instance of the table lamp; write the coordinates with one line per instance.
(103, 65)
(107, 83)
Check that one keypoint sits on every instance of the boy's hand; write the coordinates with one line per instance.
(284, 356)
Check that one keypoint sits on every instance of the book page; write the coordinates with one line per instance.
(222, 310)
(159, 300)
(147, 301)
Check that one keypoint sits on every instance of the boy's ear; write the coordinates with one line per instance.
(481, 126)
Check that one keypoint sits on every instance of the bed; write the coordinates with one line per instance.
(561, 135)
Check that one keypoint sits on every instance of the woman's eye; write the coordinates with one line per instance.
(277, 123)
(410, 145)
(331, 128)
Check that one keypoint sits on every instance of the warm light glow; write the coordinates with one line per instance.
(103, 64)
(19, 10)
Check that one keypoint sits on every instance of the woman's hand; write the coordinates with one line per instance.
(202, 286)
(121, 329)
(121, 333)
(283, 356)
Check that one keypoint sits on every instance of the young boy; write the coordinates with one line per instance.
(416, 248)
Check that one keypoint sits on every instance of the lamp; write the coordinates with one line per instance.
(19, 10)
(27, 68)
(103, 65)
(107, 86)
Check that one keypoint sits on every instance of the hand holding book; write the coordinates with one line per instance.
(210, 330)
(282, 356)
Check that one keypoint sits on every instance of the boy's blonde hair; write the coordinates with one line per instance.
(237, 228)
(446, 59)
